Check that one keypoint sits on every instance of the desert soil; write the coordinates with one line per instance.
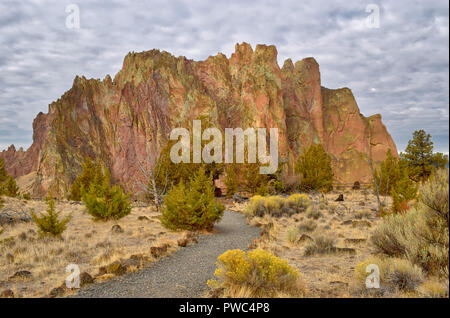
(183, 271)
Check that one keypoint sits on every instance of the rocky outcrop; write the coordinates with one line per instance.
(124, 122)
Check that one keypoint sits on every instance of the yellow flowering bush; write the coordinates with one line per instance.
(277, 205)
(298, 201)
(259, 271)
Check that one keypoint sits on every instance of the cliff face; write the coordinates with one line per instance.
(125, 121)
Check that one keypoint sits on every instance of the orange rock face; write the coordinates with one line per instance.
(124, 122)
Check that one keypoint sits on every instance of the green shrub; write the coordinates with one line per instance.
(255, 207)
(421, 234)
(433, 289)
(259, 272)
(8, 185)
(313, 213)
(298, 201)
(292, 234)
(167, 174)
(91, 172)
(396, 274)
(231, 179)
(104, 202)
(403, 191)
(388, 174)
(321, 244)
(276, 205)
(192, 207)
(403, 275)
(49, 223)
(26, 196)
(314, 168)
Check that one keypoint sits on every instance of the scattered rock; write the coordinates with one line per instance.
(305, 238)
(143, 218)
(356, 185)
(354, 240)
(347, 250)
(340, 198)
(138, 257)
(58, 291)
(130, 263)
(238, 198)
(116, 228)
(21, 275)
(338, 283)
(347, 222)
(85, 279)
(9, 216)
(158, 251)
(116, 268)
(182, 242)
(101, 271)
(362, 203)
(254, 243)
(7, 293)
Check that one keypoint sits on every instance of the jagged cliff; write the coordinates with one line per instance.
(124, 121)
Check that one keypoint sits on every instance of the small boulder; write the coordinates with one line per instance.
(362, 203)
(116, 229)
(116, 268)
(158, 251)
(182, 242)
(356, 185)
(58, 291)
(7, 293)
(85, 279)
(340, 198)
(304, 238)
(347, 250)
(21, 275)
(347, 222)
(130, 263)
(143, 218)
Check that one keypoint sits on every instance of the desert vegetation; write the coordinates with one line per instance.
(257, 273)
(317, 240)
(192, 206)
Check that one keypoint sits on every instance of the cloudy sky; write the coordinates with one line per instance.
(399, 69)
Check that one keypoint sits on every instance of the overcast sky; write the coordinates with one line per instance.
(400, 70)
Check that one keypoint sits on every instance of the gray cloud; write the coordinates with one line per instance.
(399, 70)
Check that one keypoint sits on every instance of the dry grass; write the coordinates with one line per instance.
(325, 274)
(87, 243)
(333, 240)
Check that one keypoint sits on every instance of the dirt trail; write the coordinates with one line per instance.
(183, 273)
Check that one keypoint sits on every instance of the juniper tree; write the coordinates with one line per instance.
(91, 172)
(314, 168)
(419, 155)
(49, 223)
(192, 206)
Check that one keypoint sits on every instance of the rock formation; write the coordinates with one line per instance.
(124, 122)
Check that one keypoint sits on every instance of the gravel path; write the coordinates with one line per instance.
(183, 273)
